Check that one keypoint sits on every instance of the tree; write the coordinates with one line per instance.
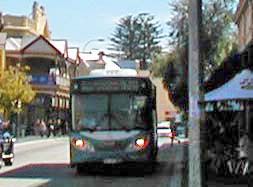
(137, 37)
(14, 89)
(161, 65)
(217, 42)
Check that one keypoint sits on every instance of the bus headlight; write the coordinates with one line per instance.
(138, 144)
(82, 144)
(141, 142)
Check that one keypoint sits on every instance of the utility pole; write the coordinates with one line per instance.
(196, 114)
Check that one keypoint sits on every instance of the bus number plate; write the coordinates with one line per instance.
(111, 161)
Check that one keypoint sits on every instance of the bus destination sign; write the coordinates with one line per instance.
(108, 85)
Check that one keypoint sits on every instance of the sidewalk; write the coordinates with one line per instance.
(36, 138)
(176, 160)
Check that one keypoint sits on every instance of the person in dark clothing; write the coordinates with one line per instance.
(50, 127)
(54, 126)
(173, 133)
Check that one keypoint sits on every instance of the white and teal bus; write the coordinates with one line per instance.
(113, 120)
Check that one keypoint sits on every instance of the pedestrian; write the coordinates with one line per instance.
(36, 127)
(54, 126)
(50, 127)
(245, 150)
(1, 126)
(43, 128)
(243, 145)
(6, 126)
(217, 153)
(64, 127)
(173, 133)
(13, 128)
(59, 126)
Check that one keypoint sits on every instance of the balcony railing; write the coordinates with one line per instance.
(62, 81)
(49, 80)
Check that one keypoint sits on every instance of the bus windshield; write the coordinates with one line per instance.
(111, 112)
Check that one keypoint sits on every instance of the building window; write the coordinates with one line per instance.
(67, 103)
(53, 101)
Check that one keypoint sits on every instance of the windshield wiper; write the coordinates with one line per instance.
(139, 128)
(88, 128)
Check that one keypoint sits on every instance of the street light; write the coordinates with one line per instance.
(93, 40)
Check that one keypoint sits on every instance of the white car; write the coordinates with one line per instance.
(163, 129)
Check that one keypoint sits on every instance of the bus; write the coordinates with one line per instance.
(114, 120)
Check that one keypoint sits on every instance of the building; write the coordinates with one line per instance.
(20, 26)
(234, 63)
(93, 60)
(49, 76)
(244, 21)
(52, 64)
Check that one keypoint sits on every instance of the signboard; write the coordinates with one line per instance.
(247, 83)
(108, 85)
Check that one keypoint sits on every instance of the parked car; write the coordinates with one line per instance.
(163, 129)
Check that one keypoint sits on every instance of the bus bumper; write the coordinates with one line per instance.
(116, 157)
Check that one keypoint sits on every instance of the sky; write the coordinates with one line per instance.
(80, 21)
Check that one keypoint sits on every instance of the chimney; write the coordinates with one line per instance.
(1, 21)
(35, 10)
(101, 54)
(100, 57)
(42, 10)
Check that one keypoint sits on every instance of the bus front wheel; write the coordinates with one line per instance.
(81, 168)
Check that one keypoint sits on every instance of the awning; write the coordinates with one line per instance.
(240, 87)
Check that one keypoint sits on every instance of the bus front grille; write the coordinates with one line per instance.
(110, 146)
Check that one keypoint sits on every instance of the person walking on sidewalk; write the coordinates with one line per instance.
(50, 128)
(36, 127)
(43, 128)
(173, 133)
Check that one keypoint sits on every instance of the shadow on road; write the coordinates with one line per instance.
(38, 171)
(124, 175)
(127, 170)
(63, 170)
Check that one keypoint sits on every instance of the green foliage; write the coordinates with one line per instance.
(161, 63)
(217, 42)
(137, 37)
(15, 88)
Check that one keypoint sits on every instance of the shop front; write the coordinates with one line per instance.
(229, 118)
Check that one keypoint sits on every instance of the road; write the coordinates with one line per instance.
(45, 163)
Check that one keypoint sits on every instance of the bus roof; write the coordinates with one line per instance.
(114, 76)
(126, 73)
